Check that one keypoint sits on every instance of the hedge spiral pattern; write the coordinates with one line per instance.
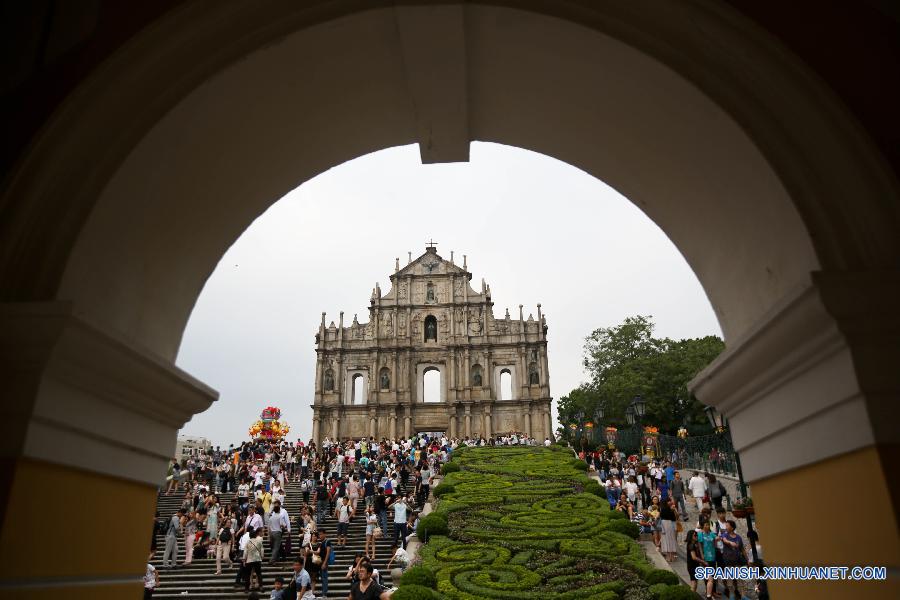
(524, 524)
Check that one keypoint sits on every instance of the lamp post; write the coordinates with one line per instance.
(580, 416)
(720, 423)
(634, 416)
(598, 418)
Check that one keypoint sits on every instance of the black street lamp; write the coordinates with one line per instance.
(598, 418)
(580, 416)
(720, 424)
(639, 407)
(629, 415)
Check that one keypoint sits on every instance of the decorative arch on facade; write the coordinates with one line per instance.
(477, 376)
(506, 385)
(431, 328)
(432, 396)
(358, 384)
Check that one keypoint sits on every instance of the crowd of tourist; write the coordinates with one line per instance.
(655, 496)
(367, 479)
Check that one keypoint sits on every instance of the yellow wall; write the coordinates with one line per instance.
(63, 522)
(836, 512)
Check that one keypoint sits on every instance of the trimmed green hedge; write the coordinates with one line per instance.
(662, 576)
(415, 592)
(527, 523)
(628, 528)
(449, 467)
(442, 489)
(434, 523)
(419, 576)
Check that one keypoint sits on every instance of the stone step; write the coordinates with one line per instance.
(198, 580)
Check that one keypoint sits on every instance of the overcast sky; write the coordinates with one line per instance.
(537, 230)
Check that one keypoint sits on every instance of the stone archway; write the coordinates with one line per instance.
(135, 188)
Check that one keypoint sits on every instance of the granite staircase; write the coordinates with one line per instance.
(198, 580)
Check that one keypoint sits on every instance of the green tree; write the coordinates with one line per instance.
(627, 361)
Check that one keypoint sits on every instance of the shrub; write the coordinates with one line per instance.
(432, 524)
(677, 592)
(593, 487)
(578, 464)
(449, 467)
(627, 527)
(444, 488)
(617, 514)
(414, 592)
(662, 576)
(419, 576)
(657, 589)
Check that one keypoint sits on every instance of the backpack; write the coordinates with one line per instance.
(225, 536)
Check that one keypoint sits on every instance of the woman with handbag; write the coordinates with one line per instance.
(668, 537)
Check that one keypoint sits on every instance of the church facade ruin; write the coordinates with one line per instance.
(493, 375)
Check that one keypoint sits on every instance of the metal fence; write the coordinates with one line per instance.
(710, 453)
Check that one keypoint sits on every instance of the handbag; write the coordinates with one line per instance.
(377, 533)
(316, 559)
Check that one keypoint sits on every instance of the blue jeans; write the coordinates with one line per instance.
(320, 512)
(382, 519)
(324, 582)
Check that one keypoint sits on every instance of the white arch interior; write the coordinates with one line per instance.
(506, 385)
(259, 128)
(359, 390)
(431, 385)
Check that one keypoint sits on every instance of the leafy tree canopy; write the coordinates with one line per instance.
(625, 361)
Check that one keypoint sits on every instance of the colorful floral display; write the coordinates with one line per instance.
(269, 426)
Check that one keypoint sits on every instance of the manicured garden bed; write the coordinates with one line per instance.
(524, 523)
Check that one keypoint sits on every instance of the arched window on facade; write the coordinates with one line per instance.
(359, 390)
(384, 379)
(430, 328)
(431, 385)
(505, 384)
(476, 376)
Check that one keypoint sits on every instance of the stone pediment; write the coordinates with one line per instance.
(429, 264)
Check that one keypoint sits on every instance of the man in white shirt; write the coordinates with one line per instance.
(253, 520)
(400, 529)
(401, 558)
(151, 579)
(631, 490)
(698, 487)
(242, 544)
(547, 442)
(279, 524)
